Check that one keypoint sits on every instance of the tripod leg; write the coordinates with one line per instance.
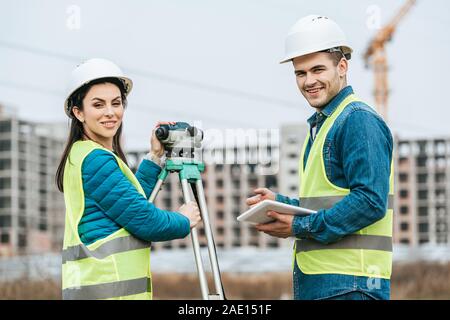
(155, 191)
(210, 240)
(196, 247)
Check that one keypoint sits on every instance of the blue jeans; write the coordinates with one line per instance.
(354, 295)
(338, 287)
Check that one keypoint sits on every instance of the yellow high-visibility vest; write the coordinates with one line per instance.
(367, 252)
(115, 267)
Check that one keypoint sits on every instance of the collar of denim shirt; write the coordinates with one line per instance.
(331, 106)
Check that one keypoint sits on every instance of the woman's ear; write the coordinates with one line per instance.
(78, 114)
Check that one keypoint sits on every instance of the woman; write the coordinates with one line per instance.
(109, 222)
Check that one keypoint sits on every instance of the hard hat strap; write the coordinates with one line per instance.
(338, 49)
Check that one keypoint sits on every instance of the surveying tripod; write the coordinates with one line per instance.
(189, 171)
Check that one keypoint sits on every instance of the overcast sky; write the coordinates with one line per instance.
(217, 61)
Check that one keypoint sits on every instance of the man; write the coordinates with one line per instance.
(344, 251)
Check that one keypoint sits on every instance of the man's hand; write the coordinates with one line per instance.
(280, 228)
(261, 194)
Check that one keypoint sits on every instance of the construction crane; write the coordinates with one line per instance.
(375, 57)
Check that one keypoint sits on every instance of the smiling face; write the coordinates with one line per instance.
(319, 78)
(102, 113)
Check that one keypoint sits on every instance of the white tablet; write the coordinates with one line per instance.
(258, 213)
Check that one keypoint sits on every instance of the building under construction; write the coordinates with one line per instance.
(423, 192)
(31, 208)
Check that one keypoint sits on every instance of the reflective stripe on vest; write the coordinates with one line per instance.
(367, 252)
(108, 290)
(352, 241)
(317, 203)
(114, 246)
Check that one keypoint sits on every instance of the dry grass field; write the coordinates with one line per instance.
(409, 281)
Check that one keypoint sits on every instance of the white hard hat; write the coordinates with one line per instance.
(314, 33)
(90, 70)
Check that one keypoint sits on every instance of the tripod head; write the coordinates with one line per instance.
(180, 139)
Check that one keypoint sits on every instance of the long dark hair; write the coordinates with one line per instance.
(76, 127)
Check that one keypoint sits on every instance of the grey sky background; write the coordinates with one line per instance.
(217, 61)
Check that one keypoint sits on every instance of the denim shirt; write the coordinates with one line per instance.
(357, 155)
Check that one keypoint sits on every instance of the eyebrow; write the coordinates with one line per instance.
(315, 67)
(95, 98)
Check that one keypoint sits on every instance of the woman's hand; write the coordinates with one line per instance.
(191, 211)
(157, 149)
